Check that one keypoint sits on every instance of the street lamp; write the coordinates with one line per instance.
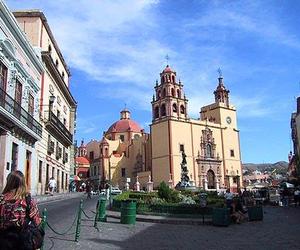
(51, 99)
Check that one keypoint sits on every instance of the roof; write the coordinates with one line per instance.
(167, 69)
(124, 125)
(82, 160)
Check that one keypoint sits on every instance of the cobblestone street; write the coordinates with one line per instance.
(279, 230)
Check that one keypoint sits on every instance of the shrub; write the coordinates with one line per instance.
(186, 199)
(167, 194)
(122, 197)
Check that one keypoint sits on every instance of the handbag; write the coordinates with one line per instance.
(31, 235)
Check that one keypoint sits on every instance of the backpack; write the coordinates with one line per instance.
(27, 237)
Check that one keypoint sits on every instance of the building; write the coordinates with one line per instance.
(20, 84)
(82, 166)
(293, 157)
(211, 142)
(57, 107)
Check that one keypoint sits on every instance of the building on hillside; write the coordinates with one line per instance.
(56, 104)
(20, 84)
(211, 142)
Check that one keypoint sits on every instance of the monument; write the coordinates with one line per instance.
(185, 183)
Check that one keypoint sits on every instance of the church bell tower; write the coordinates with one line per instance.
(169, 100)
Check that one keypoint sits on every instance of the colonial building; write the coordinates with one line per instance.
(57, 106)
(20, 84)
(211, 142)
(82, 166)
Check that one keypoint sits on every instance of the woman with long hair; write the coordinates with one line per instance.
(13, 215)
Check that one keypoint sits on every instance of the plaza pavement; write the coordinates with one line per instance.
(279, 230)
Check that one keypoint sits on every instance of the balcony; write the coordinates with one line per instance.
(58, 130)
(14, 117)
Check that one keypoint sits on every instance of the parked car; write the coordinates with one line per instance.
(115, 191)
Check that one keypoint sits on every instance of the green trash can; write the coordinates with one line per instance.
(102, 210)
(255, 213)
(128, 212)
(221, 217)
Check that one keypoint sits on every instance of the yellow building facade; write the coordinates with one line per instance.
(211, 142)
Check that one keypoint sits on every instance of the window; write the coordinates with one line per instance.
(66, 181)
(122, 138)
(181, 148)
(58, 114)
(3, 76)
(40, 171)
(63, 75)
(14, 157)
(163, 110)
(62, 180)
(173, 92)
(234, 180)
(231, 152)
(91, 155)
(178, 93)
(164, 93)
(115, 152)
(53, 169)
(30, 104)
(174, 108)
(65, 121)
(18, 99)
(123, 173)
(156, 112)
(208, 151)
(173, 78)
(56, 63)
(182, 111)
(49, 48)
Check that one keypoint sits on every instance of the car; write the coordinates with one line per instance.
(115, 191)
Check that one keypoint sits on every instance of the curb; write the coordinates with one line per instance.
(57, 197)
(163, 220)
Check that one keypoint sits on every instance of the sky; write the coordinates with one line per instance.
(116, 50)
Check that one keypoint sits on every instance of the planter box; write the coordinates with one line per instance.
(221, 217)
(255, 213)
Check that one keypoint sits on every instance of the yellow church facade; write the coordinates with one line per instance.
(211, 142)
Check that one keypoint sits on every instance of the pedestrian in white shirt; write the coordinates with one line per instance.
(52, 185)
(228, 197)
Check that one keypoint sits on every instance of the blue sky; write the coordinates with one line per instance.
(116, 50)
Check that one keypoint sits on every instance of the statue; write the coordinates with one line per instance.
(185, 180)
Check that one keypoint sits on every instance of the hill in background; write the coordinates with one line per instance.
(281, 166)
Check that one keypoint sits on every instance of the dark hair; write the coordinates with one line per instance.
(15, 182)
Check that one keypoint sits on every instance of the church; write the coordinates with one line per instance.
(127, 155)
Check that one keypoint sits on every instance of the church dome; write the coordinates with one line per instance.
(125, 124)
(167, 69)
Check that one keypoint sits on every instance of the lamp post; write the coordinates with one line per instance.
(109, 176)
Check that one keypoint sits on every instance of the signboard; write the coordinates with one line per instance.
(127, 179)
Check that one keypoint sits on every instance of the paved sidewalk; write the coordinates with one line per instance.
(62, 196)
(279, 230)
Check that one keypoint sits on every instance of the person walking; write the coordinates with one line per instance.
(19, 216)
(297, 197)
(88, 191)
(228, 197)
(52, 185)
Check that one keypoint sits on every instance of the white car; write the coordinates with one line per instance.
(115, 191)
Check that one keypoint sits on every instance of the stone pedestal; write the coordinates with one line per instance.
(149, 186)
(217, 184)
(127, 186)
(205, 184)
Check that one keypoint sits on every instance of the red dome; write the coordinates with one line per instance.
(167, 69)
(124, 125)
(82, 160)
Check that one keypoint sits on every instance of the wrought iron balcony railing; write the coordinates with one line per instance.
(14, 108)
(56, 127)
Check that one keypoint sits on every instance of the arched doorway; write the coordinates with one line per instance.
(211, 183)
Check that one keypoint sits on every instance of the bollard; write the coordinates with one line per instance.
(101, 210)
(43, 224)
(96, 216)
(77, 233)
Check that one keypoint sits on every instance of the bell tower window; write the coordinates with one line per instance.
(164, 93)
(173, 92)
(178, 93)
(173, 79)
(163, 110)
(182, 111)
(174, 108)
(156, 112)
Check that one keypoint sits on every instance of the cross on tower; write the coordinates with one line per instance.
(220, 72)
(167, 58)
